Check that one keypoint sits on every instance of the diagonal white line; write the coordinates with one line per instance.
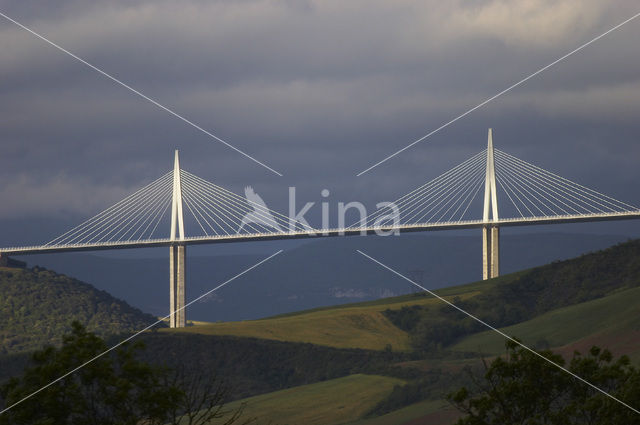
(577, 49)
(497, 331)
(131, 89)
(139, 332)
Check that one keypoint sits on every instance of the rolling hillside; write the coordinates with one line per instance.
(345, 401)
(321, 403)
(380, 362)
(37, 307)
(573, 304)
(361, 325)
(610, 321)
(575, 296)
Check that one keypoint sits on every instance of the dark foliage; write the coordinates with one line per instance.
(114, 388)
(252, 366)
(37, 305)
(84, 383)
(407, 317)
(430, 385)
(256, 366)
(523, 388)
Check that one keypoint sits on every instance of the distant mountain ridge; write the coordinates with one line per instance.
(38, 305)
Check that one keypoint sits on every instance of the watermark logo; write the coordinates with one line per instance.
(384, 221)
(260, 215)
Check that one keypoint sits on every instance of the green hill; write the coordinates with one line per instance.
(532, 293)
(610, 321)
(345, 400)
(360, 325)
(421, 322)
(320, 403)
(37, 307)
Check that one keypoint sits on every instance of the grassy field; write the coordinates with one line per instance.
(610, 321)
(346, 328)
(360, 325)
(336, 401)
(432, 412)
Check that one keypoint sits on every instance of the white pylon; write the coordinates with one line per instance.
(177, 257)
(490, 232)
(490, 198)
(176, 203)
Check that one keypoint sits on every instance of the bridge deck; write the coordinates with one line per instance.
(314, 233)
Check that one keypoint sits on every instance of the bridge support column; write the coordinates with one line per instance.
(178, 254)
(490, 252)
(177, 278)
(490, 232)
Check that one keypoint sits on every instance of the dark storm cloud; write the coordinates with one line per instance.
(317, 90)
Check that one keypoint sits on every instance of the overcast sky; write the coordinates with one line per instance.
(317, 90)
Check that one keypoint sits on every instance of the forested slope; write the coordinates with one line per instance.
(37, 307)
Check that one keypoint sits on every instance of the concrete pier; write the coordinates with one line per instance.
(177, 273)
(490, 232)
(490, 252)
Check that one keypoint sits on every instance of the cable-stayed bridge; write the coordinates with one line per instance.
(526, 193)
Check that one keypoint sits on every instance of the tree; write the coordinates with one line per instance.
(115, 388)
(201, 399)
(524, 389)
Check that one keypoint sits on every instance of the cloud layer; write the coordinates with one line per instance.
(319, 90)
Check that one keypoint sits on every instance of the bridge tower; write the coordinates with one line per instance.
(490, 232)
(177, 254)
